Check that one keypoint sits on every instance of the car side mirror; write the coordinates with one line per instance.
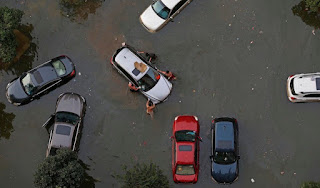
(200, 139)
(171, 137)
(211, 157)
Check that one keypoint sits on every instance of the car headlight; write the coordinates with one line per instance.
(16, 103)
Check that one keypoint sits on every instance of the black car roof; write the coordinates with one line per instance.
(44, 74)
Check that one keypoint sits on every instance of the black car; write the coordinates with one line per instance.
(225, 150)
(40, 80)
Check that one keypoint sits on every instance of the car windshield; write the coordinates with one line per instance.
(185, 170)
(67, 117)
(221, 157)
(28, 85)
(59, 67)
(149, 80)
(189, 136)
(161, 10)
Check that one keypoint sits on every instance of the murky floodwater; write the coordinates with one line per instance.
(232, 58)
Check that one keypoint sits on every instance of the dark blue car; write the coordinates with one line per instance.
(40, 80)
(225, 150)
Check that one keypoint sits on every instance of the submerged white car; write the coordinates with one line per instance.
(304, 87)
(160, 13)
(141, 74)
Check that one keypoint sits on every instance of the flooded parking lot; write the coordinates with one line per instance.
(232, 58)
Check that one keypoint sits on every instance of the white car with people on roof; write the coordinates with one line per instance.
(141, 74)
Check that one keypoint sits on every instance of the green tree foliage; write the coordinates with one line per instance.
(313, 5)
(6, 122)
(310, 184)
(310, 18)
(143, 176)
(62, 170)
(9, 20)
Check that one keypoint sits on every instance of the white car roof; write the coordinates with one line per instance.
(126, 59)
(170, 3)
(307, 84)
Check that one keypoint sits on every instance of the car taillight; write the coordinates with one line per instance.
(111, 60)
(292, 98)
(72, 73)
(291, 76)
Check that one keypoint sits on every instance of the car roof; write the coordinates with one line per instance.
(60, 137)
(44, 74)
(126, 59)
(307, 84)
(185, 123)
(185, 152)
(224, 135)
(170, 3)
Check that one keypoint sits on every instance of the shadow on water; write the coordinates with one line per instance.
(310, 18)
(78, 10)
(6, 119)
(25, 57)
(89, 181)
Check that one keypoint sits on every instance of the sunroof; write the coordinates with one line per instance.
(135, 72)
(185, 148)
(318, 83)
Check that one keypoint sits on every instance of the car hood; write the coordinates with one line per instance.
(15, 92)
(70, 103)
(185, 178)
(160, 91)
(151, 20)
(224, 173)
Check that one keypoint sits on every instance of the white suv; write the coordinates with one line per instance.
(304, 87)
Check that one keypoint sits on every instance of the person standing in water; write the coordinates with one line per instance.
(150, 106)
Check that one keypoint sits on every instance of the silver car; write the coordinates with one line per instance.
(67, 122)
(160, 13)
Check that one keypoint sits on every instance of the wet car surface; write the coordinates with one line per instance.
(238, 71)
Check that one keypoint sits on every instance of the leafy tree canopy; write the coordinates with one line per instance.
(9, 20)
(310, 184)
(143, 176)
(313, 5)
(62, 170)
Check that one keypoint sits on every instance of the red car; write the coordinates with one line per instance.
(185, 149)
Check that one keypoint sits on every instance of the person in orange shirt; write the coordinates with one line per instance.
(168, 74)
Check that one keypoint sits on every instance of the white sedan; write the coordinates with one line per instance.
(160, 13)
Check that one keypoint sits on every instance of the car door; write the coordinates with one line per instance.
(46, 87)
(173, 162)
(312, 97)
(176, 9)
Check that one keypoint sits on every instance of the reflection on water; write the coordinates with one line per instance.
(6, 119)
(89, 181)
(25, 57)
(78, 10)
(310, 18)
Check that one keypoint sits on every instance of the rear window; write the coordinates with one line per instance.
(185, 170)
(64, 130)
(59, 67)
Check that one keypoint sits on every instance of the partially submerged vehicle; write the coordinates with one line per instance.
(67, 122)
(40, 80)
(304, 87)
(141, 74)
